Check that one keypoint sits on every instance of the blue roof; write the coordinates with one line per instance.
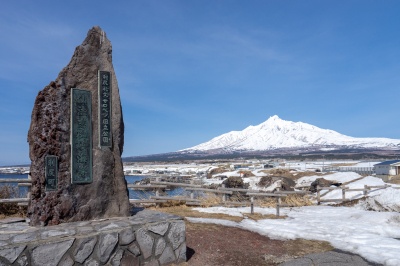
(388, 162)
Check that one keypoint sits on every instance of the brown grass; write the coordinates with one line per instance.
(211, 199)
(395, 180)
(172, 203)
(10, 209)
(291, 200)
(297, 200)
(185, 211)
(291, 174)
(245, 173)
(216, 171)
(343, 164)
(288, 250)
(301, 247)
(180, 209)
(259, 216)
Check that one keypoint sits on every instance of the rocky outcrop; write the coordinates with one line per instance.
(234, 182)
(49, 134)
(283, 183)
(322, 182)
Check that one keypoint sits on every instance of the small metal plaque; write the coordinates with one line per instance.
(51, 166)
(81, 136)
(105, 135)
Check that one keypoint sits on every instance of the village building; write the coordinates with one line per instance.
(387, 169)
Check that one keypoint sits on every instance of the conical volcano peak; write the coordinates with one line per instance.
(276, 133)
(273, 120)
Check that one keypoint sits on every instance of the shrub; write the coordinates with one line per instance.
(234, 182)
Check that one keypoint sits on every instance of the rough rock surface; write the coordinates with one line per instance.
(285, 183)
(322, 182)
(154, 238)
(234, 182)
(49, 134)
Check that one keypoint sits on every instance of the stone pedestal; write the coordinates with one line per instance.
(148, 238)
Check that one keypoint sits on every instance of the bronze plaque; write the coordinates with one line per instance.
(81, 136)
(105, 137)
(51, 169)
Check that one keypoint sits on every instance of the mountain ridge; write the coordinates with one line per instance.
(275, 133)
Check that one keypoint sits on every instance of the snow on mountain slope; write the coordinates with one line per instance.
(276, 133)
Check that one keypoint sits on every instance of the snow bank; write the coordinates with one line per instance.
(370, 229)
(387, 200)
(252, 181)
(228, 174)
(372, 235)
(341, 177)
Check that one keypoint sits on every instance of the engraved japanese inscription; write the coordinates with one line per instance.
(51, 171)
(105, 108)
(81, 136)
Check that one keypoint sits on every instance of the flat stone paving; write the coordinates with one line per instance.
(330, 258)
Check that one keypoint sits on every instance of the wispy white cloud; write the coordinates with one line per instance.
(137, 98)
(33, 42)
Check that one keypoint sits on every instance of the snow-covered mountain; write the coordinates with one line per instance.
(276, 133)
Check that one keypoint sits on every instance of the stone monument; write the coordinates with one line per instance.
(76, 139)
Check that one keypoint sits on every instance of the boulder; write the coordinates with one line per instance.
(234, 182)
(49, 134)
(322, 182)
(286, 184)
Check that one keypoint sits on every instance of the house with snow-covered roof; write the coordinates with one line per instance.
(387, 169)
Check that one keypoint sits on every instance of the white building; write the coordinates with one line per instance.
(386, 170)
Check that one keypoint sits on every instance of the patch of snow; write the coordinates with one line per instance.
(223, 210)
(252, 181)
(372, 235)
(387, 201)
(259, 173)
(340, 177)
(228, 174)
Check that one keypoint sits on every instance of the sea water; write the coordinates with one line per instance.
(22, 191)
(146, 194)
(130, 179)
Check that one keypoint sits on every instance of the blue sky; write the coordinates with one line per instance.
(191, 70)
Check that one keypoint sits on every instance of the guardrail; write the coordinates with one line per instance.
(21, 183)
(158, 186)
(345, 189)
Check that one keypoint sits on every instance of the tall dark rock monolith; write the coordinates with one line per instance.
(50, 134)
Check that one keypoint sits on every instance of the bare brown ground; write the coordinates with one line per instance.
(211, 244)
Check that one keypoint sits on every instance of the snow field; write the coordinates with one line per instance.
(373, 235)
(370, 229)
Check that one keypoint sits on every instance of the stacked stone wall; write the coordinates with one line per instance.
(148, 238)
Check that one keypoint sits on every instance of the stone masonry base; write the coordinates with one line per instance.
(147, 238)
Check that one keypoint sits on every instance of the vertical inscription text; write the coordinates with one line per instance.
(81, 136)
(105, 137)
(51, 169)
